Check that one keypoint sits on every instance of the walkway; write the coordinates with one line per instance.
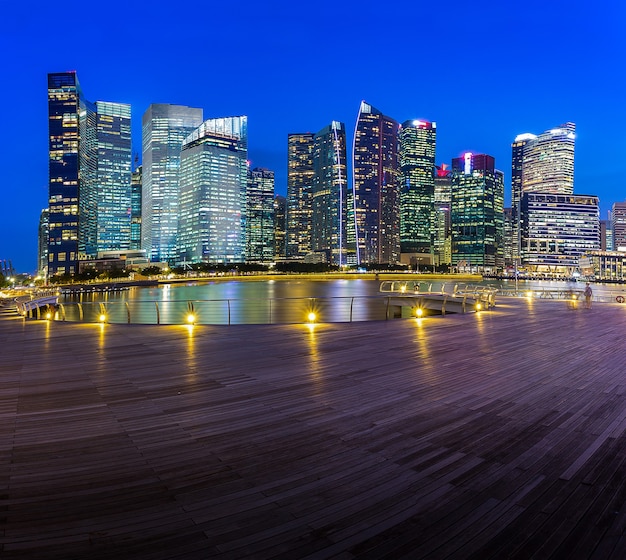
(495, 435)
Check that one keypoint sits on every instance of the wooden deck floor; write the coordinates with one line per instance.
(485, 436)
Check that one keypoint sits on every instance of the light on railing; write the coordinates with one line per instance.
(419, 312)
(478, 306)
(311, 317)
(102, 318)
(191, 318)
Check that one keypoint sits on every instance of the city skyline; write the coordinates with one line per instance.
(522, 72)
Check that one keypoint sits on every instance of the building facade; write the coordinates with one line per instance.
(477, 213)
(618, 225)
(299, 188)
(417, 186)
(213, 182)
(442, 242)
(376, 187)
(280, 227)
(42, 243)
(329, 194)
(259, 216)
(135, 208)
(164, 128)
(557, 229)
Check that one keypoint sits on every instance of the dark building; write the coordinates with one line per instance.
(259, 216)
(280, 226)
(135, 208)
(376, 187)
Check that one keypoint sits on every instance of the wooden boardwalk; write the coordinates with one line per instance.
(494, 435)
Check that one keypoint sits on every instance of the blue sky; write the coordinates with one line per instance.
(484, 71)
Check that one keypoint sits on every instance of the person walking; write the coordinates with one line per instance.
(588, 295)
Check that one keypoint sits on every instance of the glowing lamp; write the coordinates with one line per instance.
(419, 312)
(102, 318)
(48, 315)
(191, 318)
(478, 307)
(311, 317)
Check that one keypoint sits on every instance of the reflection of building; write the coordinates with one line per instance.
(557, 229)
(164, 127)
(89, 172)
(376, 187)
(213, 179)
(417, 190)
(42, 243)
(135, 209)
(259, 216)
(299, 187)
(477, 213)
(280, 224)
(328, 196)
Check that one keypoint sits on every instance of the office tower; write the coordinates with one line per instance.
(508, 238)
(213, 180)
(113, 177)
(299, 187)
(606, 237)
(328, 196)
(376, 187)
(135, 207)
(557, 229)
(280, 227)
(89, 172)
(548, 161)
(164, 128)
(517, 162)
(442, 242)
(64, 106)
(477, 213)
(417, 190)
(618, 223)
(42, 243)
(259, 214)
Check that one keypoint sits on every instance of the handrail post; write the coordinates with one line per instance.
(351, 305)
(387, 308)
(127, 311)
(228, 301)
(156, 304)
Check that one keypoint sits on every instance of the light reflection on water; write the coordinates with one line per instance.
(279, 301)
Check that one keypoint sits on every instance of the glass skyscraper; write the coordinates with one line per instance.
(89, 174)
(299, 188)
(135, 208)
(259, 216)
(280, 227)
(164, 128)
(417, 191)
(376, 187)
(213, 180)
(328, 196)
(477, 213)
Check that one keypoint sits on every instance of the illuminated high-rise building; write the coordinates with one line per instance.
(89, 173)
(557, 230)
(442, 242)
(113, 177)
(213, 181)
(135, 208)
(164, 128)
(548, 161)
(376, 187)
(329, 193)
(517, 163)
(477, 213)
(259, 216)
(618, 225)
(42, 243)
(280, 227)
(299, 188)
(417, 190)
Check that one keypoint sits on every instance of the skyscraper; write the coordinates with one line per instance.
(89, 172)
(213, 180)
(113, 177)
(328, 196)
(442, 244)
(417, 191)
(477, 212)
(42, 243)
(618, 225)
(299, 187)
(548, 161)
(259, 216)
(517, 165)
(280, 227)
(135, 208)
(376, 187)
(164, 127)
(64, 106)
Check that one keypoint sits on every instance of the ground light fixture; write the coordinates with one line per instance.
(419, 312)
(102, 318)
(48, 315)
(311, 317)
(478, 306)
(191, 318)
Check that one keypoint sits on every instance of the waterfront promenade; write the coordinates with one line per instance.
(500, 434)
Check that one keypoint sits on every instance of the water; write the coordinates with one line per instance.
(273, 301)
